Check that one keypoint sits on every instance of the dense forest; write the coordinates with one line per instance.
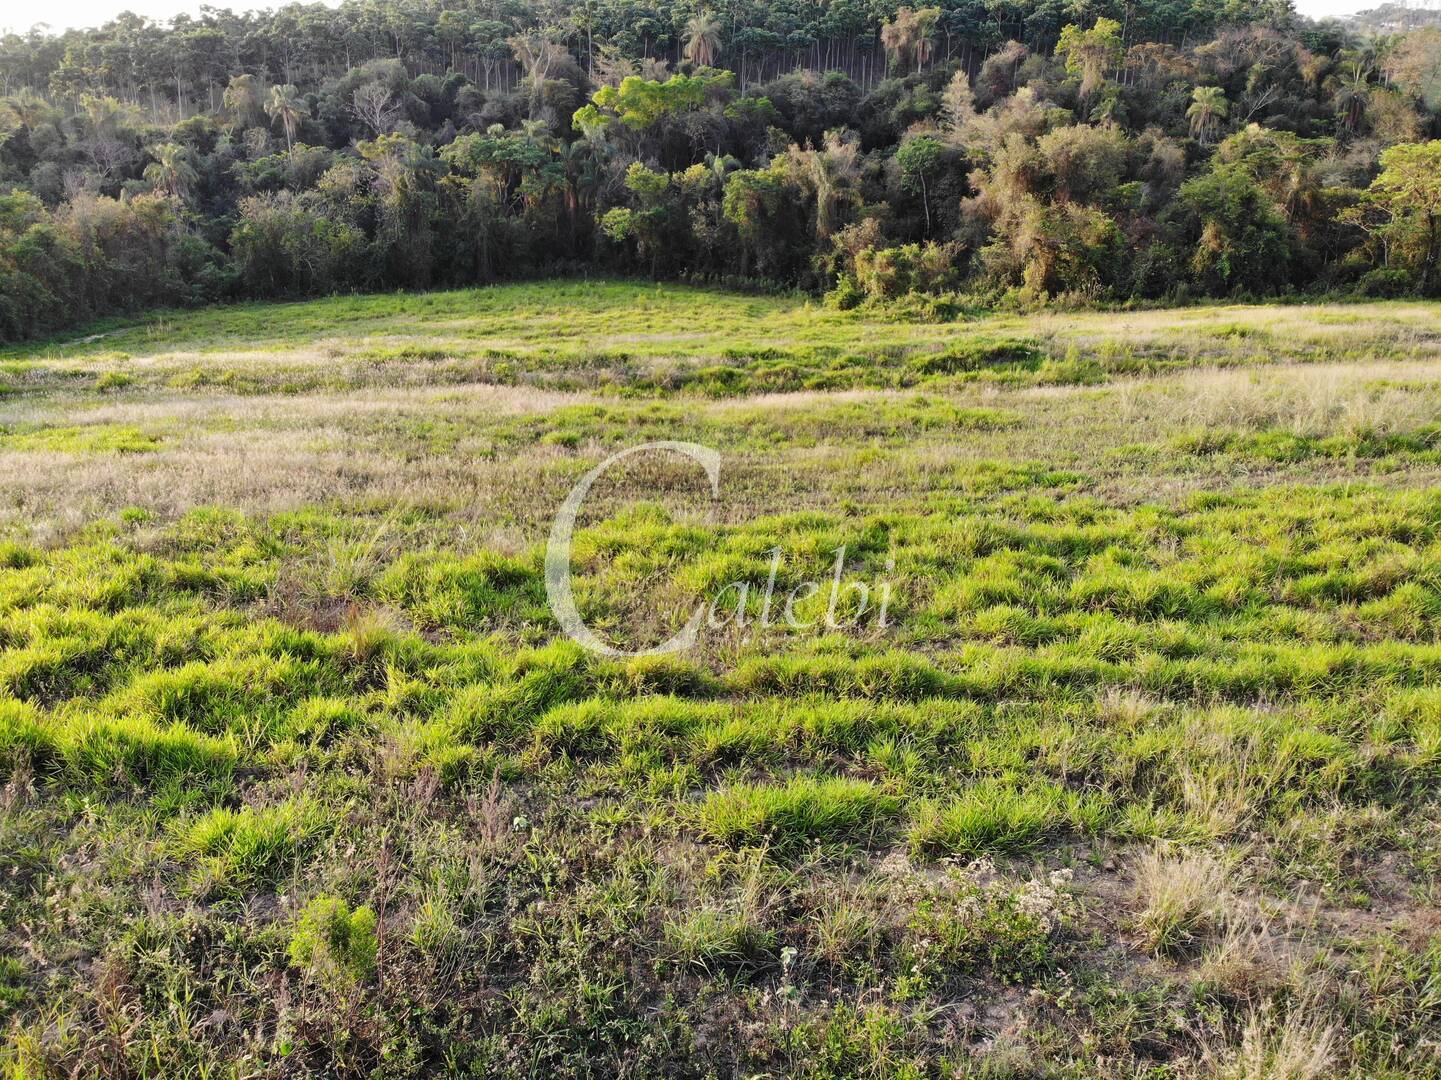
(974, 152)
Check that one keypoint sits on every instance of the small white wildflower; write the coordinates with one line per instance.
(897, 863)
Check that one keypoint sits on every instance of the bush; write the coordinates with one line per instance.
(283, 248)
(889, 273)
(1242, 243)
(335, 945)
(94, 256)
(1386, 283)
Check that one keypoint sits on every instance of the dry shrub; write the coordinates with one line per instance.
(1183, 898)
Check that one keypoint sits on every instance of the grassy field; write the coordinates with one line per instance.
(298, 775)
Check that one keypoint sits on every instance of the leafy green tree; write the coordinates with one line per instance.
(649, 224)
(806, 105)
(1240, 242)
(638, 104)
(406, 172)
(27, 109)
(919, 159)
(521, 168)
(1402, 210)
(283, 246)
(754, 204)
(1288, 169)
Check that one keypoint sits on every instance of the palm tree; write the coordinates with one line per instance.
(1107, 110)
(832, 173)
(702, 39)
(584, 171)
(1091, 53)
(1302, 195)
(720, 166)
(1352, 94)
(244, 98)
(26, 107)
(907, 38)
(1208, 108)
(171, 170)
(537, 133)
(287, 106)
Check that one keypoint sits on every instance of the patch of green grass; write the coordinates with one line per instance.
(990, 819)
(803, 809)
(716, 940)
(95, 751)
(649, 339)
(87, 439)
(234, 850)
(1421, 444)
(113, 380)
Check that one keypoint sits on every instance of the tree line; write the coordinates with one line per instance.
(184, 66)
(1001, 153)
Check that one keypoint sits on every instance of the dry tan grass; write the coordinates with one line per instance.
(1242, 960)
(276, 451)
(183, 408)
(1183, 897)
(1338, 326)
(53, 493)
(1125, 707)
(849, 920)
(1308, 400)
(1293, 1046)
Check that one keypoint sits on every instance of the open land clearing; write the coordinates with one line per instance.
(300, 776)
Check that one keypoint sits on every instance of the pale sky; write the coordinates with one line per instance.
(63, 14)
